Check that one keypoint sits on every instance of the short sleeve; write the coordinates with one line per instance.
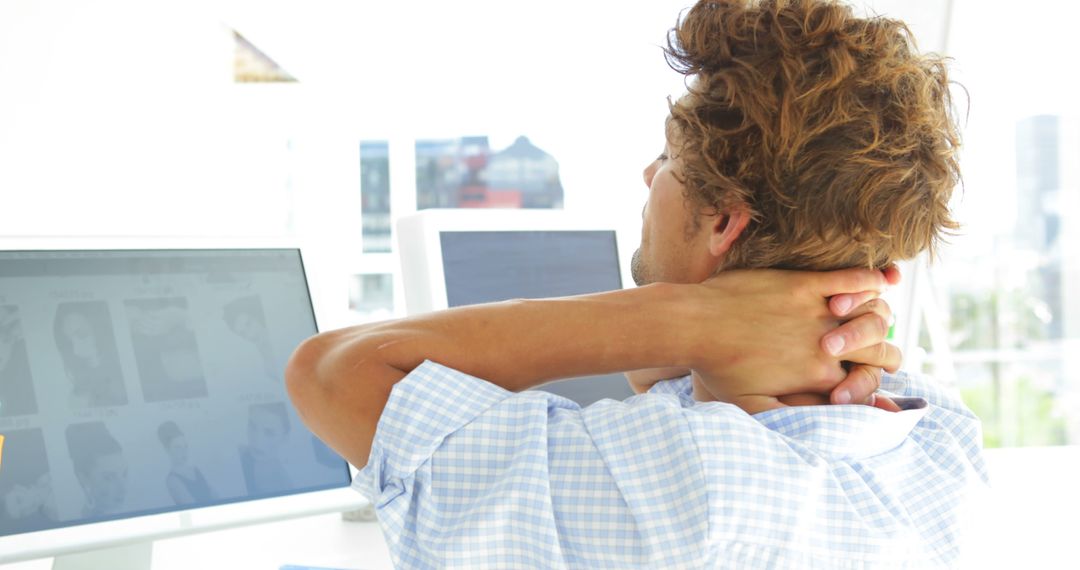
(424, 408)
(459, 472)
(465, 474)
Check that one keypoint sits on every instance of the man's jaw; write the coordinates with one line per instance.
(637, 269)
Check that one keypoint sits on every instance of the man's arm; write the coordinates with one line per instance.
(341, 380)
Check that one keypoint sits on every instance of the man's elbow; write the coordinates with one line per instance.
(339, 387)
(309, 370)
(300, 371)
(328, 366)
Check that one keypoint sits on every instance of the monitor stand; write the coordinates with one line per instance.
(135, 556)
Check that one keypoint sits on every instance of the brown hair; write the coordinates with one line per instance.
(831, 130)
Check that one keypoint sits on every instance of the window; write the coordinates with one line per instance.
(1012, 278)
(375, 196)
(467, 173)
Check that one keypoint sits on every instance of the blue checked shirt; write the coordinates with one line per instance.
(465, 474)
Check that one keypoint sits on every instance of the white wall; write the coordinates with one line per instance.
(120, 117)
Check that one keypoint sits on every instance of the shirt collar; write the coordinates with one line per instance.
(833, 431)
(846, 431)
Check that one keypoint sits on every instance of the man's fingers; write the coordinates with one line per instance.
(859, 386)
(754, 404)
(856, 334)
(832, 283)
(842, 305)
(880, 355)
(844, 298)
(884, 403)
(871, 305)
(892, 274)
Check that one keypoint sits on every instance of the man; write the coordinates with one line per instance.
(808, 139)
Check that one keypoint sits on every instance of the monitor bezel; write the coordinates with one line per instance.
(420, 248)
(141, 528)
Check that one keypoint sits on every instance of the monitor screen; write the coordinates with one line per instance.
(489, 266)
(140, 382)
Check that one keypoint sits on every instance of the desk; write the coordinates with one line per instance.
(323, 540)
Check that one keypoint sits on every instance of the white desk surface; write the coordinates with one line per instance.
(323, 540)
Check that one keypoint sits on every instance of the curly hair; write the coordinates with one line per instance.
(832, 131)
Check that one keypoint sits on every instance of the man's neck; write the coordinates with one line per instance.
(700, 393)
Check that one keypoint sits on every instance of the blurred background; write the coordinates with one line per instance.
(323, 122)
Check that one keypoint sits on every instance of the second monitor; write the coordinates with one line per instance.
(452, 258)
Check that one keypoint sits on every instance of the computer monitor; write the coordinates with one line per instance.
(451, 258)
(142, 397)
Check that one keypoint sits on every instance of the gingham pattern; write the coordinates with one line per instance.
(465, 474)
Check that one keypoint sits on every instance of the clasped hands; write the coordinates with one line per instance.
(764, 339)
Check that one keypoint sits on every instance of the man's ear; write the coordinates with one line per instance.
(726, 228)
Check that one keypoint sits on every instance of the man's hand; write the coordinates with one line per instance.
(863, 346)
(773, 360)
(859, 340)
